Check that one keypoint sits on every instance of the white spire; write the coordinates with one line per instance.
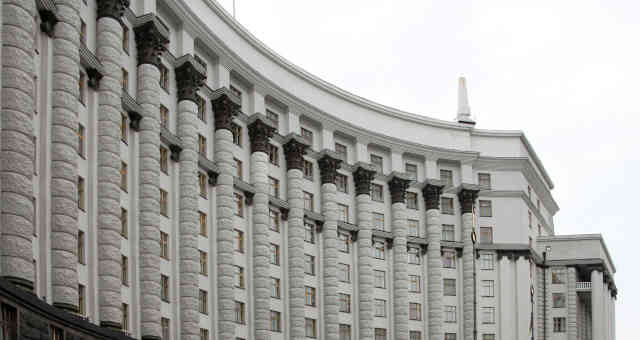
(464, 111)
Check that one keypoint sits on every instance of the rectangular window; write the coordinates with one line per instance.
(81, 255)
(484, 180)
(164, 160)
(378, 250)
(125, 271)
(81, 193)
(380, 308)
(202, 181)
(530, 218)
(488, 337)
(310, 328)
(56, 333)
(125, 39)
(204, 263)
(307, 135)
(164, 116)
(235, 91)
(202, 63)
(309, 264)
(164, 245)
(309, 233)
(447, 176)
(164, 77)
(343, 212)
(341, 150)
(344, 302)
(308, 201)
(415, 335)
(559, 300)
(449, 287)
(485, 209)
(449, 313)
(411, 170)
(237, 168)
(83, 32)
(239, 311)
(380, 334)
(202, 146)
(274, 157)
(125, 80)
(486, 235)
(81, 137)
(486, 261)
(487, 288)
(202, 108)
(238, 241)
(236, 131)
(448, 259)
(276, 324)
(344, 242)
(164, 203)
(273, 118)
(344, 272)
(203, 224)
(379, 279)
(413, 227)
(124, 128)
(450, 336)
(488, 315)
(344, 332)
(166, 332)
(309, 296)
(274, 219)
(82, 79)
(558, 276)
(123, 176)
(415, 311)
(275, 288)
(274, 187)
(414, 283)
(377, 163)
(164, 284)
(448, 232)
(342, 183)
(559, 325)
(9, 325)
(82, 298)
(412, 200)
(204, 334)
(378, 221)
(274, 254)
(125, 317)
(238, 277)
(239, 200)
(414, 255)
(446, 205)
(377, 192)
(204, 298)
(307, 170)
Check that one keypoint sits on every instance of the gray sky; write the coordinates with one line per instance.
(565, 72)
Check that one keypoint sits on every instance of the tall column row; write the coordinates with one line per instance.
(398, 188)
(467, 199)
(431, 193)
(572, 304)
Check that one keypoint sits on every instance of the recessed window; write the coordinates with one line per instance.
(274, 220)
(380, 308)
(82, 298)
(239, 311)
(309, 264)
(412, 171)
(81, 88)
(238, 277)
(486, 288)
(343, 212)
(236, 131)
(203, 224)
(202, 181)
(276, 321)
(379, 279)
(415, 311)
(342, 183)
(274, 187)
(166, 332)
(344, 332)
(450, 314)
(125, 270)
(448, 232)
(164, 245)
(413, 227)
(344, 272)
(450, 336)
(309, 233)
(484, 180)
(200, 61)
(310, 328)
(238, 241)
(486, 235)
(558, 276)
(124, 128)
(164, 203)
(344, 242)
(204, 263)
(164, 77)
(486, 261)
(378, 221)
(377, 163)
(164, 285)
(377, 192)
(309, 296)
(275, 288)
(380, 334)
(449, 287)
(446, 205)
(164, 160)
(236, 92)
(274, 254)
(344, 301)
(204, 334)
(237, 167)
(307, 170)
(446, 176)
(125, 39)
(414, 283)
(56, 333)
(202, 145)
(378, 250)
(81, 247)
(273, 118)
(124, 169)
(164, 116)
(488, 337)
(414, 255)
(274, 156)
(308, 201)
(307, 135)
(202, 108)
(485, 209)
(488, 315)
(125, 80)
(449, 259)
(83, 32)
(81, 138)
(239, 204)
(125, 317)
(415, 335)
(559, 300)
(559, 325)
(341, 150)
(412, 200)
(81, 199)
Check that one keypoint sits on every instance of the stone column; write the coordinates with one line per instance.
(362, 178)
(225, 105)
(108, 51)
(17, 153)
(260, 131)
(431, 193)
(329, 164)
(190, 77)
(294, 149)
(64, 154)
(597, 317)
(398, 185)
(572, 298)
(151, 39)
(467, 199)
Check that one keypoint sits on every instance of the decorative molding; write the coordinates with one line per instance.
(362, 177)
(225, 106)
(431, 192)
(284, 213)
(294, 150)
(398, 185)
(260, 131)
(151, 39)
(112, 8)
(329, 162)
(48, 16)
(90, 62)
(467, 196)
(190, 76)
(133, 109)
(173, 141)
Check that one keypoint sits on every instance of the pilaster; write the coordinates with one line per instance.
(572, 300)
(467, 199)
(431, 193)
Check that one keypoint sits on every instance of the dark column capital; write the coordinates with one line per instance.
(362, 177)
(225, 105)
(112, 8)
(431, 194)
(151, 40)
(467, 198)
(294, 149)
(260, 131)
(329, 163)
(190, 76)
(48, 17)
(398, 185)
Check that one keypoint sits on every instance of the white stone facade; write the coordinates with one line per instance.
(213, 229)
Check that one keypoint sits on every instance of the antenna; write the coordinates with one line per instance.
(234, 9)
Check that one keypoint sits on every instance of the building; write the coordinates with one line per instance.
(166, 175)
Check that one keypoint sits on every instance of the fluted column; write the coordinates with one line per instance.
(329, 164)
(260, 132)
(362, 177)
(64, 156)
(572, 299)
(467, 199)
(108, 50)
(151, 39)
(190, 77)
(294, 149)
(225, 105)
(17, 152)
(431, 193)
(597, 317)
(398, 185)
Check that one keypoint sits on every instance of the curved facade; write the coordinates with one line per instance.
(256, 201)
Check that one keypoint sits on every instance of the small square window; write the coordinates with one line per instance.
(342, 183)
(377, 193)
(446, 176)
(446, 205)
(412, 171)
(341, 150)
(307, 135)
(488, 315)
(412, 200)
(449, 287)
(484, 180)
(377, 163)
(485, 209)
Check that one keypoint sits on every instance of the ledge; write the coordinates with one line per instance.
(417, 240)
(312, 215)
(282, 205)
(174, 143)
(451, 244)
(210, 168)
(133, 109)
(245, 187)
(94, 68)
(346, 226)
(387, 235)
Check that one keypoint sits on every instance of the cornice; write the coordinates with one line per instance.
(581, 237)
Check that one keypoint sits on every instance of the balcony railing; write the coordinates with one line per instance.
(583, 286)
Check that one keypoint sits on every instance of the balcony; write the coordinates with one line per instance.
(583, 286)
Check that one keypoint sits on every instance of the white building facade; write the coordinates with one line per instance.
(165, 174)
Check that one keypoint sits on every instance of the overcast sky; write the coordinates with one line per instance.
(565, 72)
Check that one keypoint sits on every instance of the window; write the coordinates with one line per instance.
(378, 250)
(203, 306)
(414, 255)
(379, 279)
(124, 135)
(81, 137)
(412, 200)
(345, 303)
(488, 337)
(164, 160)
(238, 241)
(164, 203)
(164, 284)
(237, 168)
(558, 276)
(273, 118)
(309, 296)
(307, 135)
(276, 324)
(308, 201)
(343, 212)
(486, 261)
(345, 332)
(56, 333)
(82, 309)
(238, 277)
(204, 263)
(81, 193)
(486, 235)
(559, 325)
(309, 264)
(530, 217)
(275, 288)
(274, 187)
(344, 241)
(239, 312)
(125, 39)
(538, 204)
(559, 300)
(83, 32)
(166, 333)
(202, 145)
(81, 91)
(488, 315)
(449, 336)
(123, 176)
(380, 308)
(449, 313)
(446, 176)
(274, 157)
(164, 77)
(235, 91)
(125, 271)
(9, 324)
(484, 180)
(413, 228)
(81, 256)
(377, 192)
(236, 131)
(307, 170)
(202, 108)
(448, 232)
(378, 221)
(448, 259)
(274, 255)
(449, 287)
(202, 63)
(485, 208)
(204, 334)
(239, 204)
(202, 181)
(380, 334)
(415, 311)
(309, 233)
(164, 245)
(342, 183)
(415, 335)
(377, 163)
(487, 288)
(203, 224)
(125, 317)
(274, 218)
(411, 170)
(344, 272)
(341, 150)
(125, 80)
(446, 205)
(310, 328)
(164, 116)
(414, 283)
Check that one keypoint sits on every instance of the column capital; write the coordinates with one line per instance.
(260, 130)
(112, 8)
(431, 193)
(467, 197)
(190, 76)
(151, 40)
(225, 105)
(362, 176)
(329, 163)
(294, 148)
(398, 185)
